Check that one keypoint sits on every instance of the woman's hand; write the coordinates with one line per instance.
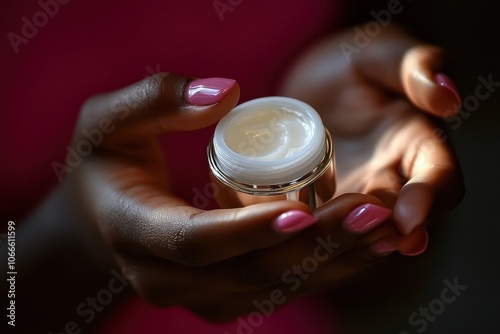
(217, 263)
(371, 99)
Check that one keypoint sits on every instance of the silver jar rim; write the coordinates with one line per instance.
(272, 189)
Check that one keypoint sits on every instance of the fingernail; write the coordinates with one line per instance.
(293, 221)
(420, 248)
(445, 81)
(365, 218)
(203, 92)
(383, 247)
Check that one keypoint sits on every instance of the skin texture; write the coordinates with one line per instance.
(376, 106)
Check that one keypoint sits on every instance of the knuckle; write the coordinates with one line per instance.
(176, 241)
(154, 88)
(148, 94)
(162, 96)
(184, 248)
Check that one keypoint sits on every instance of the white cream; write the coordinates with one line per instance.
(268, 133)
(268, 141)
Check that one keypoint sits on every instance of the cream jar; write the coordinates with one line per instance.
(272, 146)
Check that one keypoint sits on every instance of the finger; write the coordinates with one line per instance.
(343, 222)
(385, 184)
(178, 232)
(148, 275)
(435, 180)
(308, 276)
(198, 237)
(344, 270)
(291, 286)
(415, 243)
(405, 65)
(425, 85)
(160, 103)
(412, 244)
(350, 216)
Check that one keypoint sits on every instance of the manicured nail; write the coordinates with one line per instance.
(445, 81)
(203, 92)
(420, 248)
(383, 247)
(293, 221)
(365, 218)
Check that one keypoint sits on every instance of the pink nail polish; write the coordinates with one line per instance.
(383, 247)
(203, 92)
(293, 221)
(445, 81)
(365, 218)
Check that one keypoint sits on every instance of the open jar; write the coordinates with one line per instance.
(272, 148)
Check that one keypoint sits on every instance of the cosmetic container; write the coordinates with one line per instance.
(273, 147)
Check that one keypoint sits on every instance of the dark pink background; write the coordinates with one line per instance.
(96, 46)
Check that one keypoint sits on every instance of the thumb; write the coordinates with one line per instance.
(158, 104)
(425, 85)
(404, 65)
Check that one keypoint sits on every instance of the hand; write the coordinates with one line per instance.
(216, 263)
(372, 100)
